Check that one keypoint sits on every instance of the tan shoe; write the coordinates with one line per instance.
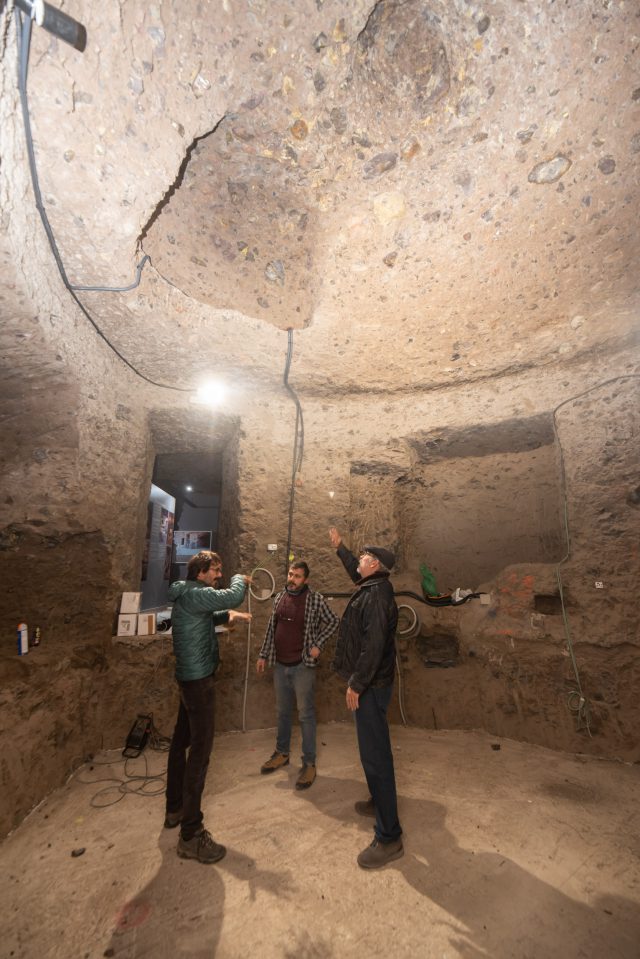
(306, 777)
(277, 761)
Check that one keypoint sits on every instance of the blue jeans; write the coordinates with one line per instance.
(189, 752)
(296, 683)
(377, 759)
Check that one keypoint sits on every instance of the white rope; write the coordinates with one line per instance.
(264, 595)
(406, 632)
(413, 619)
(400, 692)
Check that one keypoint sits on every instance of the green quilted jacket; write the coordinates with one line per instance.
(197, 610)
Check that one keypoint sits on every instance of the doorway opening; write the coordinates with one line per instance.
(182, 518)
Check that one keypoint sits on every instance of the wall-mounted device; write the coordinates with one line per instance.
(54, 21)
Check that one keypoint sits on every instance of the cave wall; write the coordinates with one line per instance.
(471, 513)
(505, 667)
(71, 535)
(508, 666)
(80, 430)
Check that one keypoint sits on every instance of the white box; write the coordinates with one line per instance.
(130, 603)
(127, 624)
(146, 624)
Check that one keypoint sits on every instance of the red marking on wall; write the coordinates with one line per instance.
(518, 594)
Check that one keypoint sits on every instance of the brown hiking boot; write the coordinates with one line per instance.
(379, 854)
(277, 761)
(365, 807)
(306, 777)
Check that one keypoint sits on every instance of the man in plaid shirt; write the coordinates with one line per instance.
(301, 622)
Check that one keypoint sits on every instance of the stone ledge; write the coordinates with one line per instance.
(139, 641)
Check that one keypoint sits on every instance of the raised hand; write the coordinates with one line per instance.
(335, 537)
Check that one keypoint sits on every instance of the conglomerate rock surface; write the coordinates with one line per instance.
(424, 211)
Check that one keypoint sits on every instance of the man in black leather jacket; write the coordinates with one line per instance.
(365, 658)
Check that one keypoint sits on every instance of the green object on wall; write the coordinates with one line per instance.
(429, 587)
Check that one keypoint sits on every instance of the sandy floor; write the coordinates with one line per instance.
(511, 853)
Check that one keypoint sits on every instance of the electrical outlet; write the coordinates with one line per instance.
(272, 547)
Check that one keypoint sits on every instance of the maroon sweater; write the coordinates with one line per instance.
(289, 632)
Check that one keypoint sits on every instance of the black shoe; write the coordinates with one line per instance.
(379, 854)
(202, 847)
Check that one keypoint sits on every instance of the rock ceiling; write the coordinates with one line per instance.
(426, 192)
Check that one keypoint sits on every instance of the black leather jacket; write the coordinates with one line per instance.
(366, 649)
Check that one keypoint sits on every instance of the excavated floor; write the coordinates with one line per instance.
(512, 852)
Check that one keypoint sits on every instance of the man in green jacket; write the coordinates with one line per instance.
(198, 607)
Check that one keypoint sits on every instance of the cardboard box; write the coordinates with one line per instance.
(130, 603)
(127, 624)
(146, 624)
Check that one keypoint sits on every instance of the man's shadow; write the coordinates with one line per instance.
(179, 913)
(494, 907)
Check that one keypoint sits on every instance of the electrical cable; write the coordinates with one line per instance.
(577, 702)
(270, 592)
(117, 289)
(401, 691)
(437, 601)
(260, 599)
(298, 444)
(154, 735)
(23, 32)
(140, 784)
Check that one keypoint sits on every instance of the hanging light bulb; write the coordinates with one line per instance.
(211, 393)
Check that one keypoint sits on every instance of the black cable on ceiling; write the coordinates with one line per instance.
(23, 31)
(117, 289)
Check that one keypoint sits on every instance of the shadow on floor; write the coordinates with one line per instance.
(179, 913)
(497, 909)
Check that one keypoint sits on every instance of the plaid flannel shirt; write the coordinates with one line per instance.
(320, 623)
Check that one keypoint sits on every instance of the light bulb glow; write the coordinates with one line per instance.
(211, 393)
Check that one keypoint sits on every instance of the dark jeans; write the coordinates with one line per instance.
(377, 759)
(186, 774)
